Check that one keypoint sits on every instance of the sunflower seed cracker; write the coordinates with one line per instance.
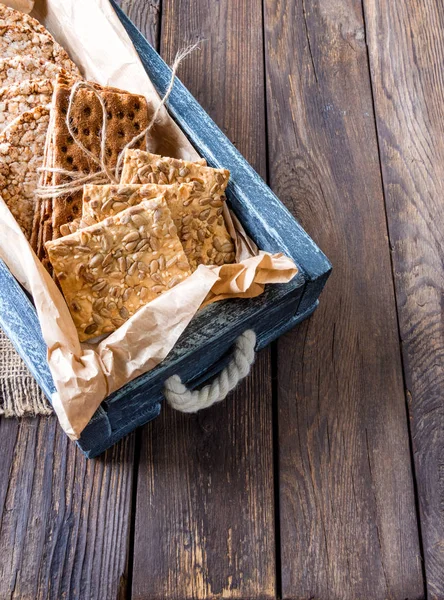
(144, 167)
(197, 215)
(105, 278)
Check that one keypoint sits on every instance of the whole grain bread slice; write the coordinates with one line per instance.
(127, 115)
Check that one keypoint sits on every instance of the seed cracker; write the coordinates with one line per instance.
(197, 215)
(21, 154)
(24, 96)
(110, 270)
(20, 68)
(144, 167)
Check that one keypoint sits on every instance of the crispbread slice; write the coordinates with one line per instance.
(19, 68)
(144, 167)
(20, 97)
(197, 215)
(21, 154)
(111, 269)
(127, 116)
(17, 40)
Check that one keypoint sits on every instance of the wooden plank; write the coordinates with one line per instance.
(204, 514)
(347, 510)
(64, 521)
(406, 57)
(145, 14)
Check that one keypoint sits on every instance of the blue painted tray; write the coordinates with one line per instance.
(204, 348)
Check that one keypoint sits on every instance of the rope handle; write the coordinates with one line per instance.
(190, 401)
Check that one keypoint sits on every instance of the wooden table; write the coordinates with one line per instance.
(322, 476)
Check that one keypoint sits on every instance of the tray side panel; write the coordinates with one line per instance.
(19, 321)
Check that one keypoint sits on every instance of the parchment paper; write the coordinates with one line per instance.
(84, 374)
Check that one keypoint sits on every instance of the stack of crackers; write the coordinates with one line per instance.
(111, 247)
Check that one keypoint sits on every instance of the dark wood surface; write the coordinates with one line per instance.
(321, 476)
(215, 533)
(346, 489)
(409, 100)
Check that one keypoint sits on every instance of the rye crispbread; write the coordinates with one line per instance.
(127, 115)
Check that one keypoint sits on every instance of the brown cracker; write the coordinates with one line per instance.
(127, 116)
(111, 269)
(144, 167)
(196, 214)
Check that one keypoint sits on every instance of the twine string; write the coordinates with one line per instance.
(104, 175)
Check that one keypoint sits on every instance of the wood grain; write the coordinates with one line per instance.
(406, 48)
(145, 14)
(204, 518)
(347, 511)
(64, 521)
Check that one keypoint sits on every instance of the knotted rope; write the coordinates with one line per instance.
(189, 401)
(104, 174)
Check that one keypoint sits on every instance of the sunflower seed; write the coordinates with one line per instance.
(127, 293)
(100, 285)
(174, 281)
(132, 236)
(132, 269)
(131, 246)
(96, 261)
(171, 262)
(118, 206)
(91, 328)
(123, 312)
(138, 220)
(75, 306)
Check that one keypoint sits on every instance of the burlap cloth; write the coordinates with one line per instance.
(19, 393)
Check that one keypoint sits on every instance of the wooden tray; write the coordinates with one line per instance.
(204, 348)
